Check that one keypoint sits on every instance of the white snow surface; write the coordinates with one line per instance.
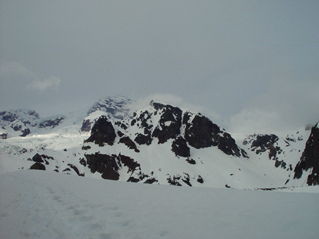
(38, 204)
(64, 143)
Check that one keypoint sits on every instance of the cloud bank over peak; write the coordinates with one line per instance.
(41, 85)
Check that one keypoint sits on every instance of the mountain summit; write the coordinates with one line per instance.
(159, 144)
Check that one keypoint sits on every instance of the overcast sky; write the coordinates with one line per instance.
(253, 63)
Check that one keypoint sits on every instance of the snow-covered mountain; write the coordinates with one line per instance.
(156, 144)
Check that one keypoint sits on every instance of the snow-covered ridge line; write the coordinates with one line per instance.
(159, 143)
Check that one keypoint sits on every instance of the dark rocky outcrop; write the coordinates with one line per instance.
(86, 126)
(109, 165)
(129, 143)
(200, 132)
(25, 132)
(75, 169)
(102, 132)
(16, 127)
(51, 123)
(186, 179)
(191, 161)
(86, 147)
(104, 164)
(169, 124)
(38, 166)
(82, 161)
(180, 148)
(310, 158)
(200, 179)
(174, 180)
(128, 162)
(264, 142)
(37, 158)
(228, 145)
(143, 121)
(143, 139)
(150, 181)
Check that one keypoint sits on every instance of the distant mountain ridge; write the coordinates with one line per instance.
(160, 143)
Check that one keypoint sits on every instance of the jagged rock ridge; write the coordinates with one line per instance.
(160, 143)
(159, 124)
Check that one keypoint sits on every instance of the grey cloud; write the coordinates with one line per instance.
(42, 85)
(228, 56)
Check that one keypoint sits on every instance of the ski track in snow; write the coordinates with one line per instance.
(51, 205)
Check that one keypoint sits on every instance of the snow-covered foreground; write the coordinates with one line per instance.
(38, 204)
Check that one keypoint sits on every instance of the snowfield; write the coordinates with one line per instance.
(41, 204)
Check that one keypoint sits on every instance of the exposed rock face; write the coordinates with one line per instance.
(38, 166)
(19, 121)
(228, 145)
(169, 124)
(25, 132)
(265, 142)
(51, 123)
(26, 116)
(268, 143)
(37, 158)
(143, 139)
(117, 106)
(143, 122)
(86, 126)
(104, 164)
(109, 165)
(102, 132)
(310, 158)
(200, 132)
(180, 148)
(129, 143)
(162, 123)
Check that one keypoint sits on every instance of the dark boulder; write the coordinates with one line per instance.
(82, 161)
(150, 181)
(37, 158)
(200, 179)
(38, 166)
(102, 132)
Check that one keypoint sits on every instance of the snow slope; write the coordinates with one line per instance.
(59, 140)
(38, 204)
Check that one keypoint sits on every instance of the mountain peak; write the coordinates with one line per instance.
(118, 106)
